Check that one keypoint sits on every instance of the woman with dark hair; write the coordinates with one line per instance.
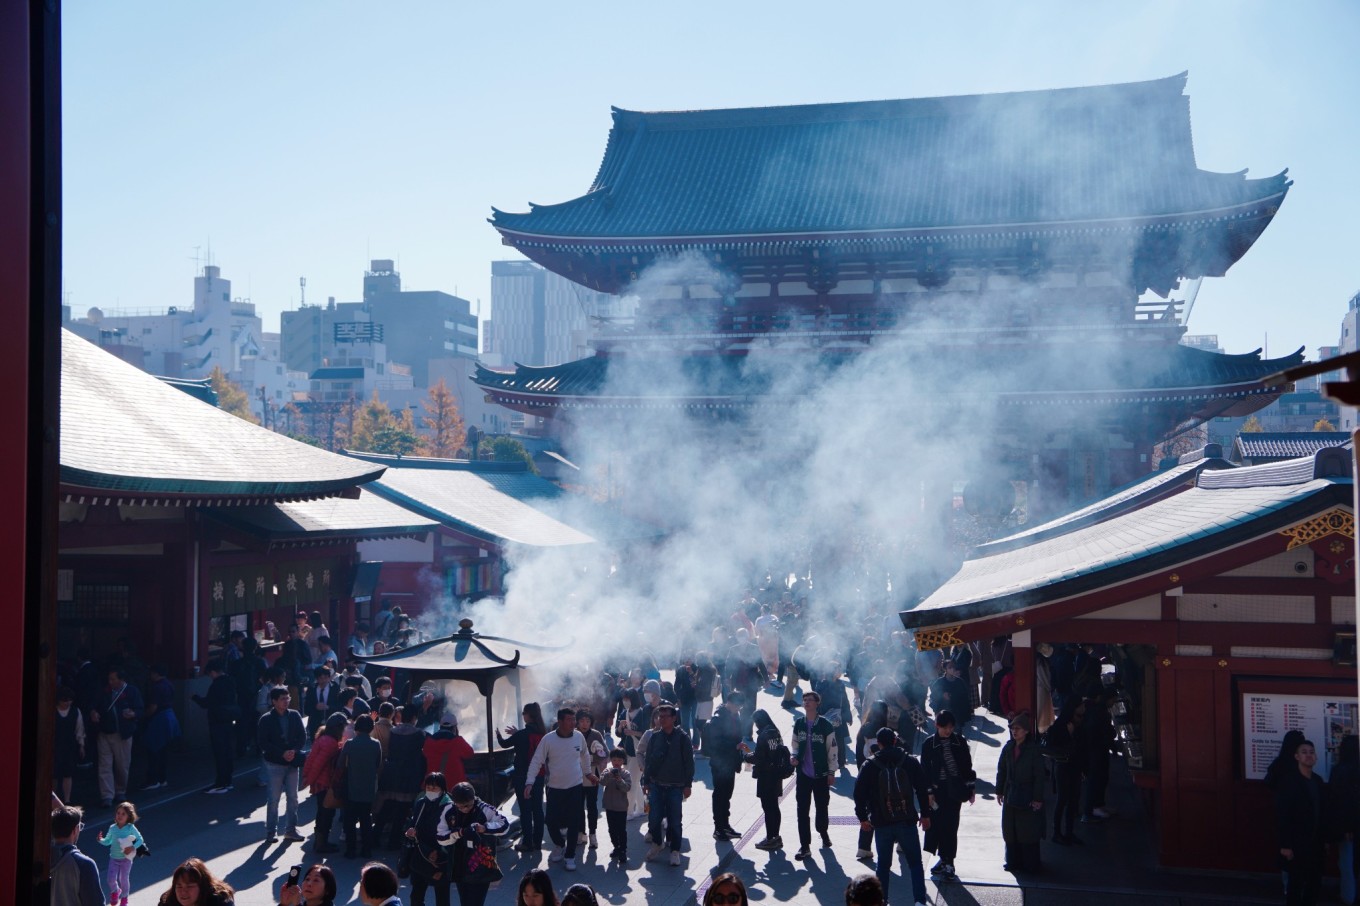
(580, 895)
(536, 889)
(193, 884)
(865, 890)
(468, 829)
(1020, 793)
(599, 760)
(726, 890)
(634, 721)
(705, 689)
(320, 773)
(768, 767)
(317, 888)
(865, 745)
(525, 741)
(429, 863)
(1284, 764)
(1066, 747)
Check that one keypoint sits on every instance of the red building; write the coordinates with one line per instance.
(1012, 237)
(1226, 597)
(179, 523)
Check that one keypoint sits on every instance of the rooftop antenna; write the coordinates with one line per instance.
(302, 290)
(197, 259)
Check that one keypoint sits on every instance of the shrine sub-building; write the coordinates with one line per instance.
(1222, 601)
(1047, 243)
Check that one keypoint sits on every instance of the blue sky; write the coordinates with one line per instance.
(304, 138)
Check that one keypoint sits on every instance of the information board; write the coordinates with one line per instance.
(1267, 717)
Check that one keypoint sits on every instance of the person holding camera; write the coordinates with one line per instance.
(314, 887)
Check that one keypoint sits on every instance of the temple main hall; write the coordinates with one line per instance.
(1040, 250)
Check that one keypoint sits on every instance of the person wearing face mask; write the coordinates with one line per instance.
(429, 862)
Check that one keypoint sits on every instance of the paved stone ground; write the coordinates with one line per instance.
(1115, 868)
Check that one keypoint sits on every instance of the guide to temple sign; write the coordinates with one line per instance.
(1267, 717)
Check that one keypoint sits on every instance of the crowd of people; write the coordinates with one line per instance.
(624, 740)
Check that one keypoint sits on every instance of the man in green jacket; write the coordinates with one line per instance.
(816, 759)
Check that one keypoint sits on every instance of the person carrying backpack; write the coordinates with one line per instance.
(771, 765)
(884, 794)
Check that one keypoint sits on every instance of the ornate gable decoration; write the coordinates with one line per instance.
(934, 639)
(1335, 521)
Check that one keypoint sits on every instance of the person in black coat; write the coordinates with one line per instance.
(722, 741)
(223, 706)
(1066, 746)
(430, 866)
(769, 762)
(948, 765)
(891, 797)
(1300, 816)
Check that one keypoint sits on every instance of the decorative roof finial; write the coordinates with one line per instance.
(465, 626)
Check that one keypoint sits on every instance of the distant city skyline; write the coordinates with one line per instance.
(306, 139)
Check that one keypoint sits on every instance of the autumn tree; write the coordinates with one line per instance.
(230, 397)
(444, 431)
(1323, 424)
(1252, 426)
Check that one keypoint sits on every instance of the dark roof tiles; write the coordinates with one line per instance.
(1034, 157)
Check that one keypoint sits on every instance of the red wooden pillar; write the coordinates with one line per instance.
(30, 273)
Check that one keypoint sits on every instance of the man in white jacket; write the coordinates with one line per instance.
(565, 754)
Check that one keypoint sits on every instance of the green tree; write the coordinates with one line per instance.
(1252, 426)
(1323, 424)
(444, 431)
(395, 440)
(505, 449)
(369, 419)
(230, 397)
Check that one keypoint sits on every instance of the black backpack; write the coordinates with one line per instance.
(783, 760)
(894, 792)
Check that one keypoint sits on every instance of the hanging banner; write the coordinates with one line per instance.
(1267, 717)
(303, 583)
(240, 589)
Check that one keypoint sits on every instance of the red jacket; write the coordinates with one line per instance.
(321, 769)
(445, 752)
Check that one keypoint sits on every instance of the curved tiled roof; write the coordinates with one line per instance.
(506, 506)
(124, 432)
(1174, 530)
(1067, 156)
(1287, 444)
(1226, 507)
(1091, 369)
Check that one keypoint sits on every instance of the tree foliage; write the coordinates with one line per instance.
(444, 430)
(505, 449)
(369, 419)
(230, 397)
(1252, 426)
